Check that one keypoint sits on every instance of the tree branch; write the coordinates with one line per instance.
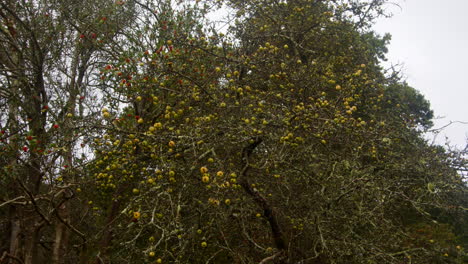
(268, 211)
(33, 201)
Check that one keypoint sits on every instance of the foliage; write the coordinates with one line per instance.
(167, 141)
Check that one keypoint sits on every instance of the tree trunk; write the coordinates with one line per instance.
(31, 239)
(107, 234)
(15, 228)
(61, 236)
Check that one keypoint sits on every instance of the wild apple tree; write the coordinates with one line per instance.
(283, 141)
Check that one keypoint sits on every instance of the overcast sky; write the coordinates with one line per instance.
(430, 39)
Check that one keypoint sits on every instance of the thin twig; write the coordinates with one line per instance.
(270, 258)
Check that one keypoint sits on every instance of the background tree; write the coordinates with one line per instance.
(48, 52)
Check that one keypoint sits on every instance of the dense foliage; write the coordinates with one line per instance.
(141, 132)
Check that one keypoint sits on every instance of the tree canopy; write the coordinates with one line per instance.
(141, 131)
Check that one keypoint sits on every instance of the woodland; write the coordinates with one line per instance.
(152, 131)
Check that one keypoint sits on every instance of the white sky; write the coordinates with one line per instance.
(430, 39)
